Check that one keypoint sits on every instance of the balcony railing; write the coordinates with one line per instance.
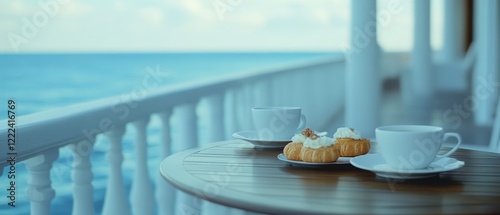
(317, 87)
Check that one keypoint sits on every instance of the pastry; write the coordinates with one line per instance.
(319, 150)
(350, 143)
(292, 150)
(320, 155)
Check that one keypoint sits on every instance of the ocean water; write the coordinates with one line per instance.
(40, 82)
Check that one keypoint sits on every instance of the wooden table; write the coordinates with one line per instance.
(235, 174)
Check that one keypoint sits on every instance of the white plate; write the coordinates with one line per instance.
(341, 160)
(376, 163)
(252, 137)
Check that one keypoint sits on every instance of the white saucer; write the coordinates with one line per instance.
(376, 163)
(341, 160)
(253, 138)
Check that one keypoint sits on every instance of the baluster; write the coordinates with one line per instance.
(232, 112)
(279, 91)
(215, 118)
(262, 93)
(40, 191)
(114, 200)
(141, 193)
(215, 133)
(249, 104)
(165, 192)
(83, 195)
(188, 130)
(245, 106)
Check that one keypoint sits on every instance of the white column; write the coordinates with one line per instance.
(454, 31)
(40, 191)
(165, 192)
(363, 87)
(83, 190)
(422, 76)
(115, 201)
(188, 138)
(486, 71)
(141, 193)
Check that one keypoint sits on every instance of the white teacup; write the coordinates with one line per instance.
(278, 123)
(412, 146)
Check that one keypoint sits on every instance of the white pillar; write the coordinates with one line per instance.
(141, 193)
(215, 133)
(165, 192)
(454, 31)
(115, 201)
(188, 138)
(486, 71)
(83, 191)
(40, 191)
(419, 82)
(363, 87)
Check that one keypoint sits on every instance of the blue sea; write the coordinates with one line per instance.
(40, 82)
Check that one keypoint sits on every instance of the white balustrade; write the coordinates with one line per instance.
(141, 193)
(83, 194)
(115, 201)
(40, 191)
(229, 102)
(165, 192)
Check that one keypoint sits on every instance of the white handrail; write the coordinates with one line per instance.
(55, 128)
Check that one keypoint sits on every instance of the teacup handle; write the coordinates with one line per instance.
(446, 136)
(302, 123)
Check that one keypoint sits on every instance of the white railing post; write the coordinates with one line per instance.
(83, 191)
(141, 193)
(188, 138)
(40, 191)
(262, 93)
(165, 192)
(115, 201)
(232, 112)
(215, 133)
(278, 91)
(216, 129)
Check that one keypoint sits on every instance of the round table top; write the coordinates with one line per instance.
(235, 174)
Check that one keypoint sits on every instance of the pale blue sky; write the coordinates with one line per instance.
(194, 25)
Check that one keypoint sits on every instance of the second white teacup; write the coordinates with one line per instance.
(277, 123)
(412, 146)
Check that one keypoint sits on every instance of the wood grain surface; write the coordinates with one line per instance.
(235, 174)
